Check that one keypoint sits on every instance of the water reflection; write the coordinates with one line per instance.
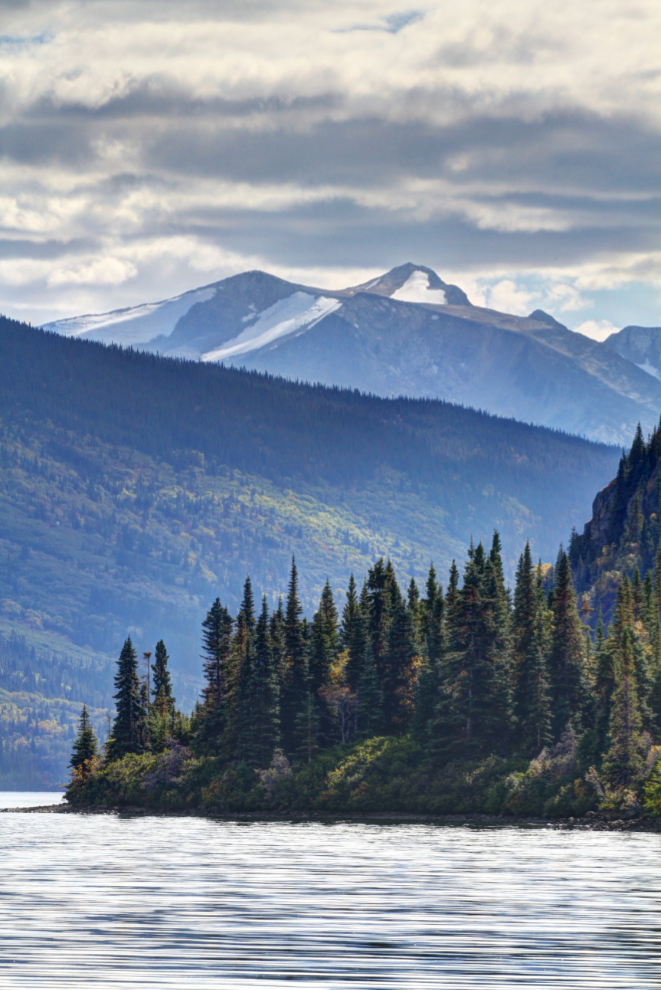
(106, 901)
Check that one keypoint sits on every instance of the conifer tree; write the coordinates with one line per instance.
(353, 635)
(216, 642)
(130, 715)
(399, 670)
(624, 761)
(535, 711)
(324, 640)
(370, 699)
(307, 728)
(295, 687)
(84, 748)
(566, 669)
(162, 685)
(265, 715)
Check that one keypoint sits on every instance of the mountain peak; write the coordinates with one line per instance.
(415, 283)
(541, 317)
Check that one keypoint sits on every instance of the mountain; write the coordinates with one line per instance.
(624, 532)
(406, 333)
(134, 489)
(640, 345)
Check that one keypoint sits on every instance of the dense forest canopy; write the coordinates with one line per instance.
(466, 674)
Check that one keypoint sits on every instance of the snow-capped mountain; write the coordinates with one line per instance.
(405, 333)
(641, 345)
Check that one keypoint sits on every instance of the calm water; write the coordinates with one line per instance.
(106, 901)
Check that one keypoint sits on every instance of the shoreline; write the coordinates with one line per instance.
(593, 822)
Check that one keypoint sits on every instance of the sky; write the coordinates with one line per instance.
(150, 147)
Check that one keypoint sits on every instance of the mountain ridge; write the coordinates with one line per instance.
(407, 333)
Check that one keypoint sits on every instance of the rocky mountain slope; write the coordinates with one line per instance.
(406, 333)
(640, 345)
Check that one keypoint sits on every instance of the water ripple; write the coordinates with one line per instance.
(120, 902)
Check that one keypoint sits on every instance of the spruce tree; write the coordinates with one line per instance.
(324, 640)
(129, 721)
(623, 764)
(210, 720)
(265, 717)
(84, 748)
(353, 634)
(370, 699)
(399, 670)
(567, 682)
(162, 684)
(295, 687)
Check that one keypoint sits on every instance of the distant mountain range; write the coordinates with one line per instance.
(407, 333)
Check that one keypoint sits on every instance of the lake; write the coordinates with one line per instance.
(96, 901)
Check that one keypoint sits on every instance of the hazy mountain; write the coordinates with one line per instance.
(405, 333)
(135, 489)
(640, 345)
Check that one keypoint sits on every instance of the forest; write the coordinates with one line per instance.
(134, 488)
(468, 698)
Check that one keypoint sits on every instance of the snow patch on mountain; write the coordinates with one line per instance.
(650, 369)
(416, 290)
(299, 311)
(135, 325)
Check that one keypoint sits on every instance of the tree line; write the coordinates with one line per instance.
(468, 671)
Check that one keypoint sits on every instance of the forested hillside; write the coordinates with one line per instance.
(457, 699)
(134, 489)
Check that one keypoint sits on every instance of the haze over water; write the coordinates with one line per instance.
(110, 901)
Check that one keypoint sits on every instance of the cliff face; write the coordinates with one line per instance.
(625, 529)
(596, 529)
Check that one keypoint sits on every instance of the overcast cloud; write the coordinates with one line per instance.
(149, 147)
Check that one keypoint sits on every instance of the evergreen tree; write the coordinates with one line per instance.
(399, 670)
(535, 710)
(353, 635)
(84, 748)
(624, 761)
(265, 716)
(475, 706)
(370, 700)
(566, 669)
(216, 643)
(130, 715)
(295, 687)
(210, 719)
(324, 641)
(162, 686)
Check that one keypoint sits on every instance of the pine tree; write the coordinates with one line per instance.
(370, 699)
(324, 640)
(475, 707)
(84, 749)
(162, 686)
(130, 715)
(216, 642)
(566, 668)
(531, 622)
(210, 720)
(624, 761)
(295, 688)
(265, 727)
(353, 635)
(399, 670)
(535, 710)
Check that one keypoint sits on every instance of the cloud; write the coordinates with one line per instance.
(597, 329)
(517, 146)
